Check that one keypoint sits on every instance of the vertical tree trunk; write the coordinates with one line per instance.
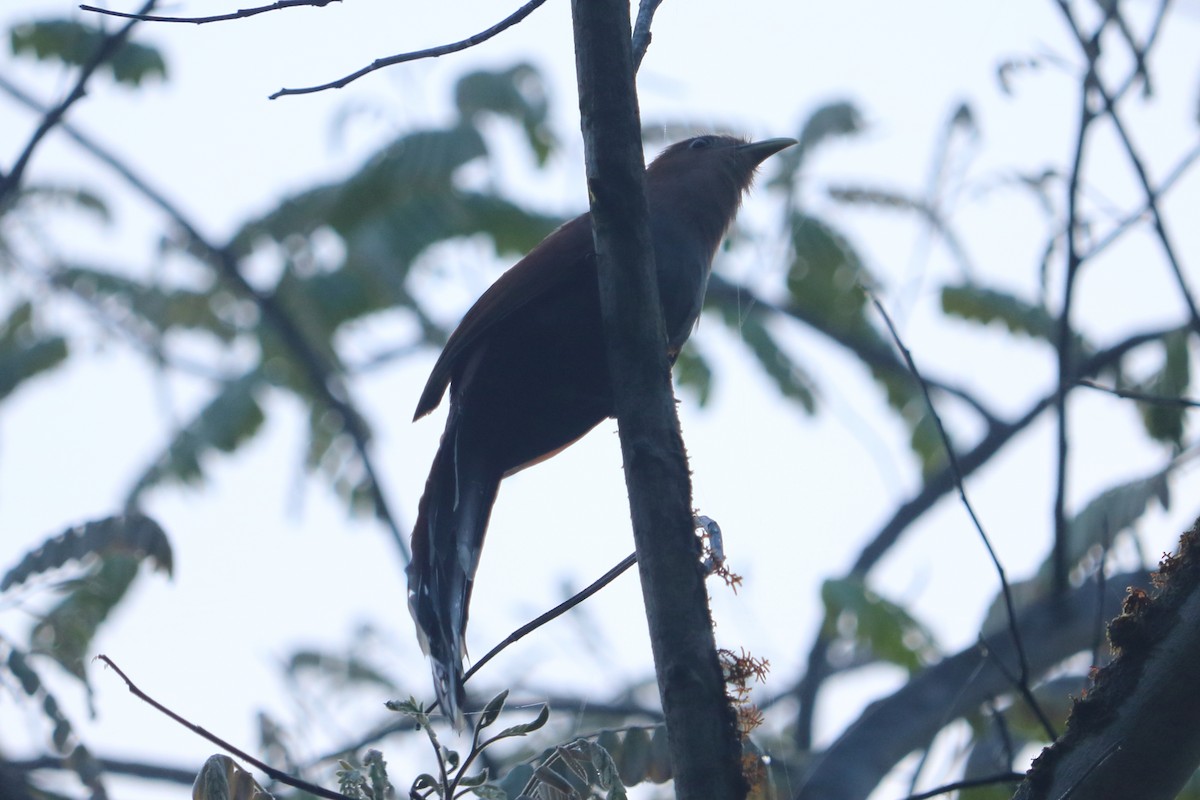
(701, 727)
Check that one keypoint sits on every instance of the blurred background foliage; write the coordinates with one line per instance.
(359, 245)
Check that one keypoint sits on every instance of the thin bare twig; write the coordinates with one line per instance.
(431, 52)
(241, 13)
(52, 117)
(271, 772)
(554, 613)
(1022, 682)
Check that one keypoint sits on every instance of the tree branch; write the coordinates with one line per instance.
(1053, 629)
(641, 30)
(241, 13)
(1134, 734)
(701, 730)
(934, 488)
(272, 773)
(431, 52)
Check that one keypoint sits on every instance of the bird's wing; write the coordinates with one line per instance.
(559, 258)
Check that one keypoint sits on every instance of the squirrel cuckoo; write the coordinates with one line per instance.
(528, 373)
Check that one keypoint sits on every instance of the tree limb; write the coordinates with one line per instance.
(701, 730)
(431, 52)
(1052, 629)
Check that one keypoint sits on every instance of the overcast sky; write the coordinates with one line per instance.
(266, 558)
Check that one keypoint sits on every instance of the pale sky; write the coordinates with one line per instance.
(266, 559)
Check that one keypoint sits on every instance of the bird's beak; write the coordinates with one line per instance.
(758, 152)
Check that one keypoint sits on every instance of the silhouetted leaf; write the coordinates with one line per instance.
(491, 711)
(74, 43)
(130, 534)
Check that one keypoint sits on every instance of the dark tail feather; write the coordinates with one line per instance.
(451, 522)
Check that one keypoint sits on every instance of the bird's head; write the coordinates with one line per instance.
(702, 179)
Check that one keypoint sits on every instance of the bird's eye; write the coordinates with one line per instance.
(700, 142)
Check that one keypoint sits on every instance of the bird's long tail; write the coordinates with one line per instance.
(451, 522)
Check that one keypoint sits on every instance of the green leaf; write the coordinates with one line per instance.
(75, 43)
(77, 758)
(827, 282)
(473, 781)
(580, 768)
(886, 629)
(222, 778)
(1165, 421)
(834, 120)
(164, 308)
(637, 754)
(425, 781)
(983, 305)
(491, 711)
(826, 278)
(525, 727)
(789, 377)
(111, 549)
(490, 791)
(66, 632)
(24, 351)
(1108, 514)
(230, 419)
(402, 202)
(518, 93)
(130, 534)
(692, 372)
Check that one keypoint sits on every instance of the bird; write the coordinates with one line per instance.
(527, 373)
